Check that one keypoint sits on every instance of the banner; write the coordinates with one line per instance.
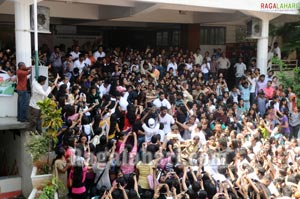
(7, 87)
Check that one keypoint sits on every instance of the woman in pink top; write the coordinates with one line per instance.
(128, 154)
(77, 179)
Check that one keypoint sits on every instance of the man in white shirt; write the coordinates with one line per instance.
(38, 95)
(189, 64)
(79, 63)
(198, 57)
(104, 88)
(253, 80)
(75, 53)
(87, 61)
(240, 69)
(223, 65)
(99, 53)
(166, 119)
(162, 101)
(277, 51)
(172, 65)
(151, 129)
(270, 56)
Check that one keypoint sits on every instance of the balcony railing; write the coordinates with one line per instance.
(284, 65)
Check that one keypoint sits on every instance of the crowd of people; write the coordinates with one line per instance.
(163, 123)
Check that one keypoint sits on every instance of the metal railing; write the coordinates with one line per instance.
(286, 65)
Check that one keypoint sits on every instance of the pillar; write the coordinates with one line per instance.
(22, 32)
(262, 47)
(262, 42)
(191, 36)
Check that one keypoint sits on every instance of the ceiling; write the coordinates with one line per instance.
(145, 12)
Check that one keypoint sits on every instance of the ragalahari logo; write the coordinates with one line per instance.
(280, 6)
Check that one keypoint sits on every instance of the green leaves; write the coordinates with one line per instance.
(291, 80)
(51, 122)
(49, 190)
(36, 146)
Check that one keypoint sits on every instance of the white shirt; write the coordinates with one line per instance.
(68, 84)
(123, 103)
(38, 94)
(189, 66)
(200, 134)
(167, 120)
(198, 58)
(75, 55)
(162, 135)
(79, 65)
(159, 103)
(223, 63)
(149, 132)
(205, 68)
(277, 52)
(98, 54)
(253, 84)
(87, 130)
(87, 61)
(240, 69)
(104, 90)
(174, 66)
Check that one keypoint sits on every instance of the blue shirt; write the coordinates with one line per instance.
(245, 92)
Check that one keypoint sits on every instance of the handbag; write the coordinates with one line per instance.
(94, 188)
(150, 179)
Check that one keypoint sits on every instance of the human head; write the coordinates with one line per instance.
(42, 79)
(21, 65)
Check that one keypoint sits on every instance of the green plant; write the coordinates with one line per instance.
(278, 62)
(49, 190)
(291, 80)
(39, 145)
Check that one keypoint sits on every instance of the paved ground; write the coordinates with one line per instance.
(7, 123)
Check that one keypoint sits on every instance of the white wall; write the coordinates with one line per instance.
(8, 106)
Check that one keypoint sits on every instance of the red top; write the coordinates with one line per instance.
(22, 79)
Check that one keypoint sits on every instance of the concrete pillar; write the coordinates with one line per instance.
(262, 47)
(262, 42)
(22, 31)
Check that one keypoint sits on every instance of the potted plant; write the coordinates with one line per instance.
(48, 191)
(41, 146)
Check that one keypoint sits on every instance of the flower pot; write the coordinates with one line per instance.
(39, 180)
(34, 192)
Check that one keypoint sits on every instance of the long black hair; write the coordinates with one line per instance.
(113, 122)
(60, 152)
(77, 175)
(131, 114)
(124, 156)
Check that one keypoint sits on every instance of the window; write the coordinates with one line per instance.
(176, 38)
(212, 35)
(162, 39)
(168, 38)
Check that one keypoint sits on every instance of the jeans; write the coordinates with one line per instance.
(294, 131)
(252, 98)
(247, 105)
(23, 102)
(206, 76)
